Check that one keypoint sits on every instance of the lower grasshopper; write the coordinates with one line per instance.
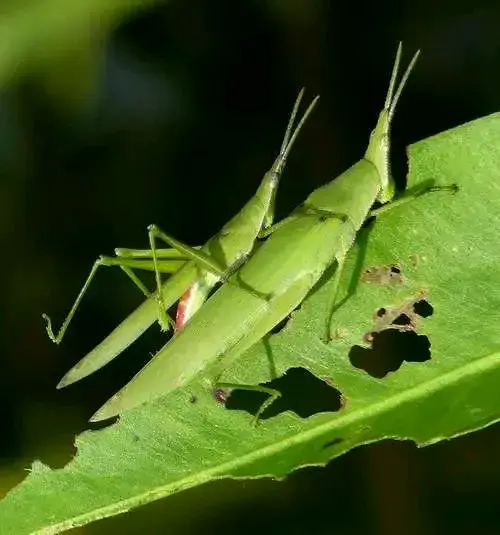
(196, 269)
(317, 235)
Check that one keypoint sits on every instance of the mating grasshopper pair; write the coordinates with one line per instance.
(261, 287)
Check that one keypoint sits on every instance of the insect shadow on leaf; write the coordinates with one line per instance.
(333, 304)
(301, 392)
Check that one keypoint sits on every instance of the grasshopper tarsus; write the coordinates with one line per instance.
(165, 321)
(50, 332)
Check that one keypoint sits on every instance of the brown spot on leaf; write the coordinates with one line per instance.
(390, 274)
(393, 338)
(221, 395)
(402, 317)
(415, 260)
(339, 333)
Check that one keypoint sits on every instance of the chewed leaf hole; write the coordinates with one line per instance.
(301, 392)
(383, 275)
(390, 348)
(423, 308)
(402, 319)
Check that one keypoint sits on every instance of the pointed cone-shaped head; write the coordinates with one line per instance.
(378, 151)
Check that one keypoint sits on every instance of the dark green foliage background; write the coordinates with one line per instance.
(172, 118)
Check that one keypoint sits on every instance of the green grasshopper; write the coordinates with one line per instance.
(196, 270)
(280, 273)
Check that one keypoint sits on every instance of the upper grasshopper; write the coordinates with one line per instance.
(202, 267)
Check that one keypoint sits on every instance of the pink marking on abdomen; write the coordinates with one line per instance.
(180, 317)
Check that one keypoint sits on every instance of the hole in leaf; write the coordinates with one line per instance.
(402, 319)
(301, 392)
(423, 308)
(390, 348)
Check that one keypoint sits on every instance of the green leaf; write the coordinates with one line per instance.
(446, 246)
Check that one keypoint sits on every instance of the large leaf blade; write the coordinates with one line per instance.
(446, 248)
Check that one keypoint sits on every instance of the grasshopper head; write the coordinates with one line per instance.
(378, 151)
(378, 154)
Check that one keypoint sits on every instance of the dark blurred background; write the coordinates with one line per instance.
(119, 115)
